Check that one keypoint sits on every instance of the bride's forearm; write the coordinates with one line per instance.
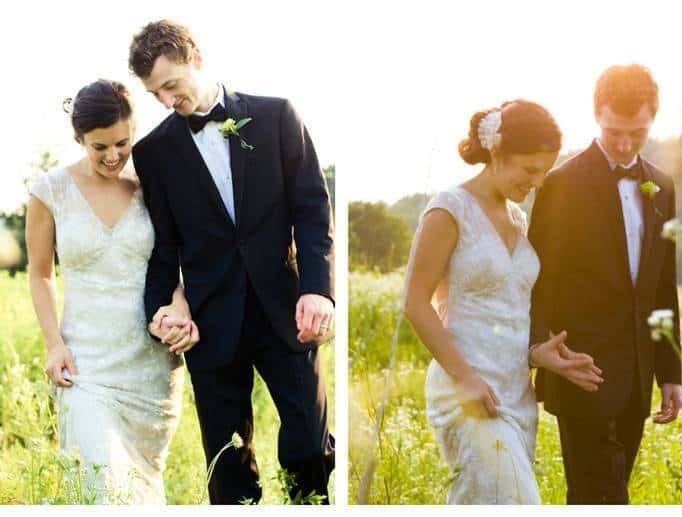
(437, 339)
(44, 296)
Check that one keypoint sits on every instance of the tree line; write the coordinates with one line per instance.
(15, 222)
(380, 234)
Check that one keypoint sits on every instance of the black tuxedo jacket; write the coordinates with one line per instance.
(585, 285)
(282, 240)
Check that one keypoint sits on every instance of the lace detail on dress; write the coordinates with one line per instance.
(125, 401)
(486, 308)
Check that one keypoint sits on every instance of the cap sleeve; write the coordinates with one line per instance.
(42, 189)
(449, 201)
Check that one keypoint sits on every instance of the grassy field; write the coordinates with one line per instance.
(409, 467)
(32, 471)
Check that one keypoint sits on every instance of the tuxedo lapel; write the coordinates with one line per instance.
(604, 186)
(196, 165)
(236, 109)
(649, 208)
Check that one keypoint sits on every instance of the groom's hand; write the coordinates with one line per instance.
(578, 368)
(314, 317)
(671, 402)
(174, 329)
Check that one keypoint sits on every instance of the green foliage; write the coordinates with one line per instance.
(286, 481)
(32, 468)
(409, 467)
(378, 239)
(15, 222)
(410, 208)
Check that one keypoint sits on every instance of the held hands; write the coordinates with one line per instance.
(477, 397)
(671, 402)
(555, 356)
(59, 358)
(314, 317)
(175, 329)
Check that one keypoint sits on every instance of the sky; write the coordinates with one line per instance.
(53, 49)
(386, 89)
(428, 71)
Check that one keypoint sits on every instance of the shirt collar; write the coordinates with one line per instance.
(612, 163)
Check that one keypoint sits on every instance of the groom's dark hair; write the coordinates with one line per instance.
(625, 89)
(161, 38)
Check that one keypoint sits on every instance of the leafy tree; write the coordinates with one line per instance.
(378, 238)
(15, 221)
(410, 208)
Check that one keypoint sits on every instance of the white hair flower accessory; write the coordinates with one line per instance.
(488, 130)
(69, 104)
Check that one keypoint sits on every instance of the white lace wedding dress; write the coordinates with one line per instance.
(125, 402)
(484, 301)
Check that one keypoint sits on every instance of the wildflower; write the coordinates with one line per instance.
(671, 229)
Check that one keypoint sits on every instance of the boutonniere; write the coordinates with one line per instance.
(232, 127)
(649, 189)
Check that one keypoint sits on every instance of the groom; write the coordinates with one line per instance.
(605, 268)
(245, 213)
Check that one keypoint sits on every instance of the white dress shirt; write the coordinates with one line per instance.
(631, 202)
(215, 150)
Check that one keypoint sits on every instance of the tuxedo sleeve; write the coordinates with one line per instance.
(667, 362)
(309, 206)
(543, 235)
(163, 268)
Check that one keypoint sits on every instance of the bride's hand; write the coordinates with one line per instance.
(59, 358)
(174, 328)
(578, 368)
(478, 396)
(181, 339)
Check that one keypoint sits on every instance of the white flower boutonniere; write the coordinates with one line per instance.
(232, 127)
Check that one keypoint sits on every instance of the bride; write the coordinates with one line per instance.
(471, 251)
(118, 390)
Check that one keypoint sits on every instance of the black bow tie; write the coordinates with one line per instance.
(197, 122)
(633, 173)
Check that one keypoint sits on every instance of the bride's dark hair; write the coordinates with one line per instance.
(526, 128)
(98, 105)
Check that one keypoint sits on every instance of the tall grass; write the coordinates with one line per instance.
(409, 467)
(34, 471)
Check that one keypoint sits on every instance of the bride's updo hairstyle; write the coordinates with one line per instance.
(98, 105)
(526, 128)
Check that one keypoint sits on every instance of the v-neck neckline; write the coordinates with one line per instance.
(108, 228)
(510, 253)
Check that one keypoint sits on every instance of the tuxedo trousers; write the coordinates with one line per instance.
(599, 453)
(223, 401)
